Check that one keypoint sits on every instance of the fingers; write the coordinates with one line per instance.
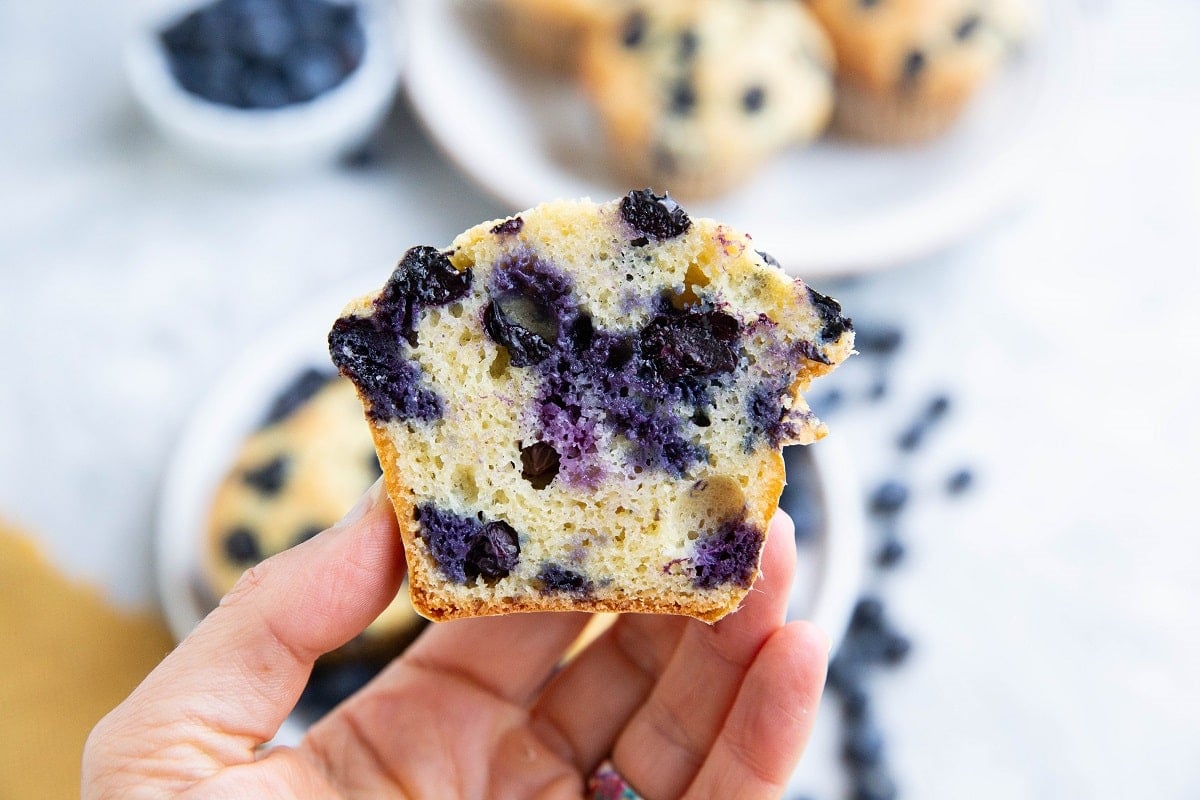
(585, 706)
(510, 656)
(232, 682)
(772, 718)
(665, 743)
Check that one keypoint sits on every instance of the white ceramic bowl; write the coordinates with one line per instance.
(830, 563)
(285, 138)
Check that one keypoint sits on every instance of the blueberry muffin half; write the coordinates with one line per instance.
(695, 95)
(907, 68)
(582, 407)
(306, 466)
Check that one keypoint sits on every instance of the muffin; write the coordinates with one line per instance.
(695, 96)
(307, 465)
(907, 68)
(547, 34)
(581, 407)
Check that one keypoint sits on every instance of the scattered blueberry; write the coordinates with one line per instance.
(867, 615)
(912, 436)
(889, 497)
(683, 98)
(960, 481)
(311, 70)
(270, 477)
(654, 216)
(873, 784)
(878, 339)
(938, 407)
(688, 42)
(827, 403)
(241, 547)
(862, 743)
(877, 390)
(890, 553)
(896, 647)
(856, 703)
(297, 393)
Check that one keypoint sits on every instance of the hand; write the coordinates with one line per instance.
(474, 708)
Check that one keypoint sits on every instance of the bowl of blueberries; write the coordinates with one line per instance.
(267, 84)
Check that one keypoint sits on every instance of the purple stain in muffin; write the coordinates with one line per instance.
(658, 217)
(465, 547)
(729, 555)
(557, 579)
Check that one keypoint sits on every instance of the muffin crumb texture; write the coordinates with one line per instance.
(581, 407)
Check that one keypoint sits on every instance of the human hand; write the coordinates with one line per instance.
(474, 708)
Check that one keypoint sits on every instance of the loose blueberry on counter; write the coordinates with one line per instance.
(241, 547)
(877, 390)
(867, 615)
(938, 407)
(269, 478)
(873, 784)
(862, 743)
(658, 217)
(889, 497)
(967, 27)
(960, 480)
(880, 340)
(890, 553)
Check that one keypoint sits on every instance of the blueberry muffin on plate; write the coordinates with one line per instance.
(907, 68)
(695, 96)
(307, 465)
(581, 407)
(548, 34)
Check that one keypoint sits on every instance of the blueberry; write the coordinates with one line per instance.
(856, 703)
(654, 216)
(880, 340)
(688, 42)
(938, 407)
(371, 353)
(268, 478)
(868, 615)
(754, 99)
(889, 497)
(305, 534)
(960, 481)
(877, 390)
(262, 87)
(241, 547)
(350, 40)
(827, 403)
(862, 744)
(634, 30)
(263, 34)
(683, 98)
(509, 226)
(539, 464)
(914, 64)
(912, 436)
(310, 70)
(967, 27)
(690, 344)
(425, 276)
(833, 324)
(297, 393)
(890, 553)
(555, 579)
(494, 552)
(845, 672)
(525, 347)
(896, 648)
(728, 556)
(873, 784)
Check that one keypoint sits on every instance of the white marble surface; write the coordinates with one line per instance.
(1055, 609)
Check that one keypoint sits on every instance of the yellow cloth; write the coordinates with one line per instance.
(68, 658)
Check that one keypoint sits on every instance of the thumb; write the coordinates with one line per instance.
(229, 685)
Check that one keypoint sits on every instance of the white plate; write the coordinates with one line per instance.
(828, 574)
(831, 209)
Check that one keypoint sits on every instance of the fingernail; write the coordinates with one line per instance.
(364, 505)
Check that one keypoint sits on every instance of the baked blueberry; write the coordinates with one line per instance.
(657, 217)
(556, 579)
(241, 547)
(268, 478)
